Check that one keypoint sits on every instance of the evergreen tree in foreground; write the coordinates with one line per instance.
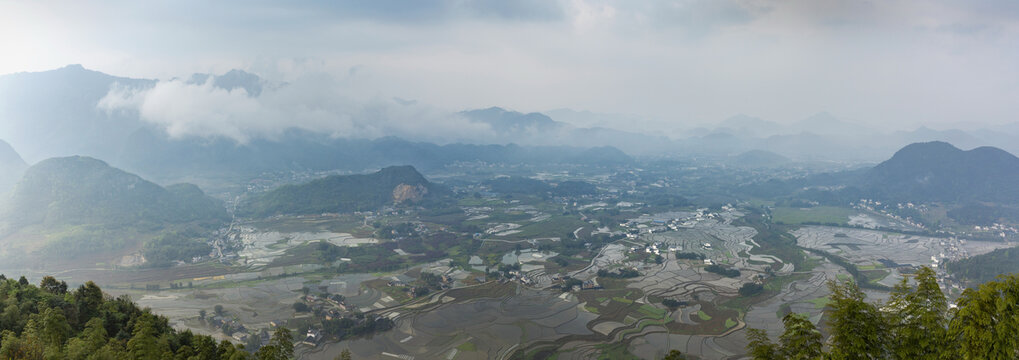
(915, 323)
(49, 322)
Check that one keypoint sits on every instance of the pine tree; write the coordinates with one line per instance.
(918, 327)
(760, 347)
(858, 329)
(987, 321)
(801, 340)
(280, 347)
(144, 344)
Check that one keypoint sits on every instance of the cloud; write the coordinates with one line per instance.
(700, 17)
(314, 102)
(432, 11)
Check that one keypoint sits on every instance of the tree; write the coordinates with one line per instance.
(51, 285)
(144, 344)
(55, 329)
(92, 338)
(917, 317)
(858, 330)
(89, 298)
(280, 347)
(986, 322)
(344, 355)
(801, 340)
(201, 314)
(14, 347)
(674, 355)
(218, 309)
(760, 347)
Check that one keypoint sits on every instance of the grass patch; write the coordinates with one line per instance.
(622, 300)
(869, 267)
(591, 309)
(467, 346)
(820, 303)
(703, 316)
(729, 323)
(652, 311)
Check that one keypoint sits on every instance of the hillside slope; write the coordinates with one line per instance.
(12, 166)
(938, 171)
(345, 193)
(85, 191)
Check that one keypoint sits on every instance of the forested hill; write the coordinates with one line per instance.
(346, 193)
(51, 322)
(82, 190)
(938, 171)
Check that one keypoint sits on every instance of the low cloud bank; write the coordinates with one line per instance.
(316, 103)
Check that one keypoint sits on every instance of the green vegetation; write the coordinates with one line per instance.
(729, 323)
(344, 193)
(721, 270)
(357, 325)
(920, 328)
(673, 303)
(750, 289)
(653, 312)
(703, 315)
(49, 322)
(859, 276)
(85, 191)
(986, 267)
(169, 247)
(821, 302)
(984, 215)
(622, 300)
(619, 274)
(467, 346)
(689, 255)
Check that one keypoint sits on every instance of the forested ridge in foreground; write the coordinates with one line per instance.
(50, 322)
(915, 323)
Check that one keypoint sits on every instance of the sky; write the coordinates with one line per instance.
(894, 64)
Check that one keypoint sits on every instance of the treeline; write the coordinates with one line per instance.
(689, 255)
(359, 325)
(721, 270)
(167, 248)
(620, 274)
(986, 267)
(915, 323)
(50, 322)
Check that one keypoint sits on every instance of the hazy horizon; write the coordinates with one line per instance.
(665, 66)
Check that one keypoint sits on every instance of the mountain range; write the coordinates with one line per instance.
(57, 113)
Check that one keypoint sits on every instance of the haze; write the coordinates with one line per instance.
(662, 67)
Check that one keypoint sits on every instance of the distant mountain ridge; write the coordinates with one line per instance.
(938, 171)
(504, 121)
(345, 193)
(11, 167)
(82, 190)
